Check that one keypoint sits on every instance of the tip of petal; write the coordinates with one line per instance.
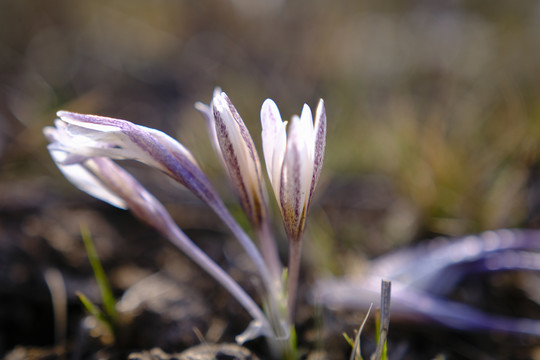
(219, 101)
(202, 107)
(64, 113)
(270, 115)
(217, 91)
(268, 102)
(69, 116)
(306, 114)
(321, 107)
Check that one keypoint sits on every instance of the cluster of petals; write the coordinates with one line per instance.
(234, 144)
(77, 137)
(83, 147)
(294, 160)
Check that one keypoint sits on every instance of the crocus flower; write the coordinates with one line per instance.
(234, 144)
(294, 165)
(293, 162)
(72, 149)
(77, 137)
(84, 136)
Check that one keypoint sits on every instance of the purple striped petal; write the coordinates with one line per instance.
(319, 146)
(240, 157)
(97, 136)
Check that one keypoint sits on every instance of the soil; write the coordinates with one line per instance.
(167, 305)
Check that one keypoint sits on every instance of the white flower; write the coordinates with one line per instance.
(235, 146)
(83, 147)
(293, 162)
(77, 137)
(104, 179)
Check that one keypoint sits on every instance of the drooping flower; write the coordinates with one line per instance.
(293, 161)
(81, 136)
(82, 147)
(77, 137)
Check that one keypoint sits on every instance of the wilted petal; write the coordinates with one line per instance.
(81, 135)
(72, 168)
(240, 157)
(88, 142)
(147, 208)
(120, 139)
(85, 180)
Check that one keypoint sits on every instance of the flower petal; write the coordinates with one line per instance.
(89, 136)
(274, 140)
(121, 139)
(319, 146)
(85, 180)
(293, 189)
(208, 114)
(306, 144)
(240, 157)
(306, 120)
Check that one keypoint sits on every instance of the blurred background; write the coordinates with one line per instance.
(433, 110)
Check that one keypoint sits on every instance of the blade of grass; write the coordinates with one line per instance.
(93, 309)
(109, 303)
(386, 289)
(356, 353)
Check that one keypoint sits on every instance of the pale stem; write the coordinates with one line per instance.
(180, 240)
(246, 243)
(269, 249)
(271, 283)
(295, 250)
(148, 209)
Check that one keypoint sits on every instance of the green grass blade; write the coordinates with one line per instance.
(109, 303)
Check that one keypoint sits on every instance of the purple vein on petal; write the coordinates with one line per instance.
(320, 144)
(231, 159)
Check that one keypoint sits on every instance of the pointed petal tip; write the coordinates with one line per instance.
(321, 105)
(63, 113)
(69, 115)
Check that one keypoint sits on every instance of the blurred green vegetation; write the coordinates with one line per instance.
(433, 107)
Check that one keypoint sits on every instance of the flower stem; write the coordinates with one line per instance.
(180, 240)
(269, 283)
(269, 249)
(295, 250)
(147, 208)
